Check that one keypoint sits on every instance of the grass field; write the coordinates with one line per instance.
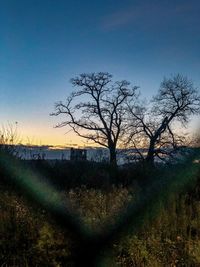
(168, 233)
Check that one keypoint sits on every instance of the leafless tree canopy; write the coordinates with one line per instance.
(177, 100)
(97, 110)
(106, 113)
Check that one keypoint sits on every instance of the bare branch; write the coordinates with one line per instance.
(96, 110)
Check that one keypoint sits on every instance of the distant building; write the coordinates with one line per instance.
(77, 154)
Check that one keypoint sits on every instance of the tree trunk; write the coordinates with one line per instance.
(150, 153)
(113, 158)
(113, 173)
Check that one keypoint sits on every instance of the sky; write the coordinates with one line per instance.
(45, 43)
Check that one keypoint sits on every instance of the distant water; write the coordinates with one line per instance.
(93, 154)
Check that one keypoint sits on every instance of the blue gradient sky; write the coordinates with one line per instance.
(45, 43)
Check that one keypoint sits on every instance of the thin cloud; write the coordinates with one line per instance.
(120, 18)
(147, 12)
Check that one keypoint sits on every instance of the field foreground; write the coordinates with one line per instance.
(165, 233)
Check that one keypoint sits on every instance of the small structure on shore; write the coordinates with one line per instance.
(78, 154)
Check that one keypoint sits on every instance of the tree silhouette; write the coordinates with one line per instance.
(97, 110)
(9, 138)
(176, 100)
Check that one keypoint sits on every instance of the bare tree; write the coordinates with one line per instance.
(9, 138)
(96, 111)
(176, 101)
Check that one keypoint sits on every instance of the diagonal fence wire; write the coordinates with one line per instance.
(89, 244)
